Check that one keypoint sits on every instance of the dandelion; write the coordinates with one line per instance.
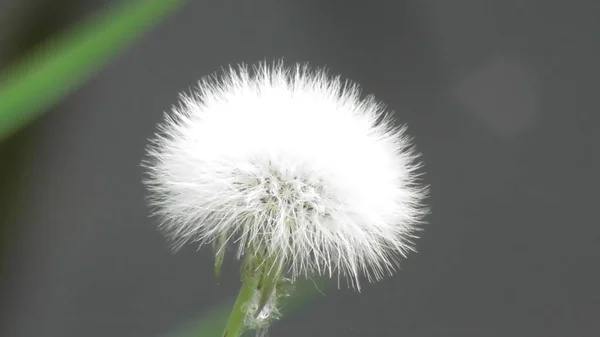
(296, 170)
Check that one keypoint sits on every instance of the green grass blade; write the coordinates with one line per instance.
(41, 79)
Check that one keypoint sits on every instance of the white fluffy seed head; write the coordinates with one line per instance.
(291, 162)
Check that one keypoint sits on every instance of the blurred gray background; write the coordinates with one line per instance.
(501, 97)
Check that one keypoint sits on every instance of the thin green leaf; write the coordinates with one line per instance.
(220, 255)
(270, 277)
(50, 73)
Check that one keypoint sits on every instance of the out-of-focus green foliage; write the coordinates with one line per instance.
(47, 75)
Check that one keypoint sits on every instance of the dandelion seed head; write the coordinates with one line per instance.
(293, 161)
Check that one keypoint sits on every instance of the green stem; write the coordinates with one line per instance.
(235, 323)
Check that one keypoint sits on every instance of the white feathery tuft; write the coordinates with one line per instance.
(292, 161)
